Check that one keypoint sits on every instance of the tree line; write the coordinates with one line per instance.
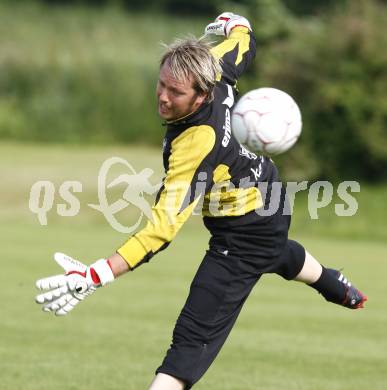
(85, 72)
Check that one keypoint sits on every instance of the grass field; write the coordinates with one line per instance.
(287, 337)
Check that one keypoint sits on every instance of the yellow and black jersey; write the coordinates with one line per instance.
(206, 169)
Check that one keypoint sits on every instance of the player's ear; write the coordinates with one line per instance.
(201, 97)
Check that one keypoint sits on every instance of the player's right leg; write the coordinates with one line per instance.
(217, 294)
(330, 283)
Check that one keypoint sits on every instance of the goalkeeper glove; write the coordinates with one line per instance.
(78, 282)
(225, 22)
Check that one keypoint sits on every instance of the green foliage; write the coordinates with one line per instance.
(302, 7)
(272, 21)
(98, 103)
(82, 75)
(335, 67)
(198, 7)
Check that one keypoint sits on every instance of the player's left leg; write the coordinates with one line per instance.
(311, 270)
(336, 288)
(330, 283)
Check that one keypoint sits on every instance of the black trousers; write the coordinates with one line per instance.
(217, 294)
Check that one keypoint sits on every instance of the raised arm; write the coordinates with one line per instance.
(238, 50)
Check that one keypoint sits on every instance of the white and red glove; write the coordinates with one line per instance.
(225, 22)
(78, 282)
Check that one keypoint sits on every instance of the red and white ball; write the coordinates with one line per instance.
(266, 120)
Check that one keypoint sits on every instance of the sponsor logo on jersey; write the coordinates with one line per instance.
(227, 128)
(245, 153)
(229, 102)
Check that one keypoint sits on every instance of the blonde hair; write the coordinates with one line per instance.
(192, 56)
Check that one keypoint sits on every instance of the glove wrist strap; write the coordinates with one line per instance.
(236, 22)
(103, 271)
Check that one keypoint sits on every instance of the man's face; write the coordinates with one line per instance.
(176, 98)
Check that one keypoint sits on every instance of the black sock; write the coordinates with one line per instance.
(329, 286)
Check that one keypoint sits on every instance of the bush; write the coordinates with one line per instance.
(335, 67)
(78, 74)
(81, 75)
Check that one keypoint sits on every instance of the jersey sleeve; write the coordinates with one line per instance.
(177, 197)
(235, 53)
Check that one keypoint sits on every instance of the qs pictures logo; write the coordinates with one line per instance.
(42, 195)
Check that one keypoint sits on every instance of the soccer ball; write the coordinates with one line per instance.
(266, 120)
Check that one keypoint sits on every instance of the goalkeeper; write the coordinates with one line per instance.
(196, 90)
